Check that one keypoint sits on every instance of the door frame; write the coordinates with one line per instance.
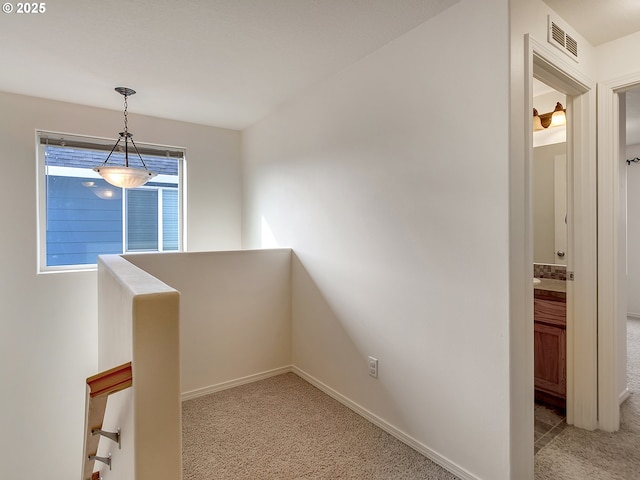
(582, 336)
(611, 253)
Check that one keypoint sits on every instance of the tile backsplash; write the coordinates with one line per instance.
(544, 270)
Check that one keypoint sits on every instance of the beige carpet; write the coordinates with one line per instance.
(284, 428)
(577, 454)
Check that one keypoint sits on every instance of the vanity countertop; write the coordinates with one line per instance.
(551, 285)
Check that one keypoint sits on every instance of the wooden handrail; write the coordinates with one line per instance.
(110, 381)
(99, 387)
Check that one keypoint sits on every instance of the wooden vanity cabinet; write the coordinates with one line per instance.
(550, 349)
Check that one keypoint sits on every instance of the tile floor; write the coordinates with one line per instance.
(549, 422)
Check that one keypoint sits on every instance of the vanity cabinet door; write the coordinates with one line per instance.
(550, 359)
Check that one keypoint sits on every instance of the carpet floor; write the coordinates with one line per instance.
(577, 454)
(284, 428)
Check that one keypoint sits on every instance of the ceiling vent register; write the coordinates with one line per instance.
(559, 37)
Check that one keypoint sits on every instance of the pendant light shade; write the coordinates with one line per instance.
(125, 176)
(103, 192)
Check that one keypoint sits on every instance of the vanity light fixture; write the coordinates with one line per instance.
(125, 176)
(556, 118)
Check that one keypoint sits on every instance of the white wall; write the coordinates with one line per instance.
(395, 203)
(48, 339)
(633, 231)
(235, 313)
(617, 58)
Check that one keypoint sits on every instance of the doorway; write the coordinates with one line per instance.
(630, 210)
(550, 255)
(612, 256)
(581, 254)
(631, 207)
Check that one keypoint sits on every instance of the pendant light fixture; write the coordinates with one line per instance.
(125, 176)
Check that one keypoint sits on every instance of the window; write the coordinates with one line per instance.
(81, 216)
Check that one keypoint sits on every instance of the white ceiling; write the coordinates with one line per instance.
(223, 62)
(214, 62)
(540, 88)
(599, 21)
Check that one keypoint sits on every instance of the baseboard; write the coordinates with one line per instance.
(199, 392)
(387, 427)
(633, 315)
(624, 395)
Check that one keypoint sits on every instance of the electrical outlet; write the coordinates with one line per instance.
(373, 367)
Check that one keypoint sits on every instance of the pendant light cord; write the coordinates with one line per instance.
(127, 137)
(126, 119)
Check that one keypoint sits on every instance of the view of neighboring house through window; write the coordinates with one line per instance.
(82, 216)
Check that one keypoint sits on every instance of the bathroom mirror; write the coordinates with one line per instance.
(550, 204)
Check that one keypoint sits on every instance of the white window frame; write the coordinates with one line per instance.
(41, 195)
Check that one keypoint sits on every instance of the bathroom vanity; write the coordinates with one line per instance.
(550, 345)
